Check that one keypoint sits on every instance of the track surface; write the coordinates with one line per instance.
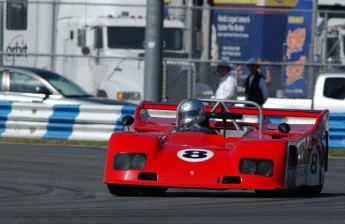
(63, 184)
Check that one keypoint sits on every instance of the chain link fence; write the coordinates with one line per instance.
(104, 51)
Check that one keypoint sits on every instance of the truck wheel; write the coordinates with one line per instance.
(102, 93)
(123, 190)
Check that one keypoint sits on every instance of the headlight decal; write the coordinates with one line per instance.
(129, 161)
(262, 167)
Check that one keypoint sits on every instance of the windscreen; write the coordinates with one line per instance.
(134, 37)
(335, 88)
(65, 86)
(332, 47)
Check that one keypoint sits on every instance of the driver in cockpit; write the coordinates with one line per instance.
(191, 115)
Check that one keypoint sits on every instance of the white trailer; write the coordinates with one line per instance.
(100, 45)
(26, 29)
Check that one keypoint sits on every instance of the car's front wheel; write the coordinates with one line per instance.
(133, 190)
(123, 190)
(152, 191)
(272, 193)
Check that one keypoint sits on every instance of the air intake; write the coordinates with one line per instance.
(231, 180)
(148, 176)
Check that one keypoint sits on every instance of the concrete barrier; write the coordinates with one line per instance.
(95, 123)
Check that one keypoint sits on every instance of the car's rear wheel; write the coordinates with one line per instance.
(313, 190)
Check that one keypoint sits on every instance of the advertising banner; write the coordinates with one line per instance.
(233, 36)
(266, 34)
(297, 45)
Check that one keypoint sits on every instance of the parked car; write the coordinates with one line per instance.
(27, 84)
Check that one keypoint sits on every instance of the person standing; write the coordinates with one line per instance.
(227, 84)
(255, 87)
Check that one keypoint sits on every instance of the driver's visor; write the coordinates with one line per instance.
(189, 114)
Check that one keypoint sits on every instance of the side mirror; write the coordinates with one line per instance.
(127, 121)
(284, 128)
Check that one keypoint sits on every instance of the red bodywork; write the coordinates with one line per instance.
(294, 163)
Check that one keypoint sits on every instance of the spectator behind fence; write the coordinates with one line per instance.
(256, 88)
(227, 84)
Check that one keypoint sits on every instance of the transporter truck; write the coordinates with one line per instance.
(100, 45)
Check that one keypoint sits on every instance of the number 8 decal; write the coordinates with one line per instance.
(195, 155)
(314, 167)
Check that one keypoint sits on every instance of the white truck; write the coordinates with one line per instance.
(330, 34)
(329, 42)
(109, 33)
(329, 93)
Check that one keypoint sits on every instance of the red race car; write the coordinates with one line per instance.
(245, 147)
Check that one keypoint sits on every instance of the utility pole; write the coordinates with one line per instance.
(1, 32)
(153, 50)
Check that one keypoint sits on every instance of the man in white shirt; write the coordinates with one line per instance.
(227, 84)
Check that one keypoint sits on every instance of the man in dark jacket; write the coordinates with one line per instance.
(255, 87)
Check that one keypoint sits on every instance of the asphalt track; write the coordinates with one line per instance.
(63, 184)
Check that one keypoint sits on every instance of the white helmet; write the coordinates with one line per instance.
(190, 112)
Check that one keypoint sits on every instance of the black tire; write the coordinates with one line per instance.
(102, 93)
(314, 190)
(133, 190)
(153, 191)
(123, 190)
(271, 193)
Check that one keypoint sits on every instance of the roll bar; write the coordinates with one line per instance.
(223, 103)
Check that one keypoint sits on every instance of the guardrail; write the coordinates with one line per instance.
(92, 122)
(337, 130)
(63, 121)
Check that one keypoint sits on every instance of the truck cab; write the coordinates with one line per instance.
(122, 40)
(113, 42)
(329, 92)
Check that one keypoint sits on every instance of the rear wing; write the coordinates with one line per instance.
(156, 116)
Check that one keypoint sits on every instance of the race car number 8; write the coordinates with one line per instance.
(195, 155)
(313, 166)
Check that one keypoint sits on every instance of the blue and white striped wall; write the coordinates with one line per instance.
(63, 121)
(336, 128)
(97, 123)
